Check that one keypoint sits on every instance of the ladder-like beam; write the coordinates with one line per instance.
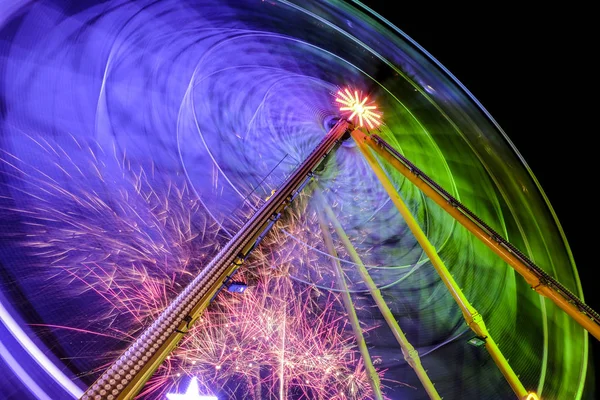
(472, 317)
(536, 277)
(128, 374)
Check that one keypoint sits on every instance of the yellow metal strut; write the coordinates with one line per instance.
(411, 355)
(472, 317)
(541, 282)
(349, 306)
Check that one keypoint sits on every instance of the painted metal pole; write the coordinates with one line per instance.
(472, 317)
(349, 306)
(540, 281)
(411, 355)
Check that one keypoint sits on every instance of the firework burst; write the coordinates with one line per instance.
(277, 340)
(120, 239)
(134, 247)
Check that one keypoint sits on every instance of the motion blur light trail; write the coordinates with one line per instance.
(137, 137)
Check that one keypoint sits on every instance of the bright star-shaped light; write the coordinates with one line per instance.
(192, 393)
(360, 110)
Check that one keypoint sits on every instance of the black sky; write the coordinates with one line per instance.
(532, 69)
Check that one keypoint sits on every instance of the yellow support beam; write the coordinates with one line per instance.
(349, 306)
(172, 341)
(411, 355)
(472, 317)
(538, 283)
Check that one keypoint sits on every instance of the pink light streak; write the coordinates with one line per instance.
(136, 251)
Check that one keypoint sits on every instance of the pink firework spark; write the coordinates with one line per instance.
(136, 247)
(131, 248)
(277, 340)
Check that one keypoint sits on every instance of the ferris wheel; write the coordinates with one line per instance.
(267, 199)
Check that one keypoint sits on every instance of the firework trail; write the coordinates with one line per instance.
(119, 238)
(133, 248)
(275, 341)
(282, 338)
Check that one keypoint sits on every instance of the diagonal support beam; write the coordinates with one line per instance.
(472, 317)
(411, 355)
(536, 277)
(349, 306)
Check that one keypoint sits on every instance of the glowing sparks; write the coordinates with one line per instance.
(279, 339)
(130, 249)
(192, 393)
(358, 109)
(135, 247)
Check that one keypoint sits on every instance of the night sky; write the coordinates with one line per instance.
(529, 68)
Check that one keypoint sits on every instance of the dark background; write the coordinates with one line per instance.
(532, 69)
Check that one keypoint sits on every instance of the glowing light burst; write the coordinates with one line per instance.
(358, 109)
(192, 393)
(280, 339)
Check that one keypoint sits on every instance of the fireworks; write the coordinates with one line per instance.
(126, 249)
(275, 341)
(133, 248)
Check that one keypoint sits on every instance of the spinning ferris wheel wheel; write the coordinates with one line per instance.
(267, 200)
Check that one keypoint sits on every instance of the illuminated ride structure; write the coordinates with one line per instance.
(125, 378)
(182, 199)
